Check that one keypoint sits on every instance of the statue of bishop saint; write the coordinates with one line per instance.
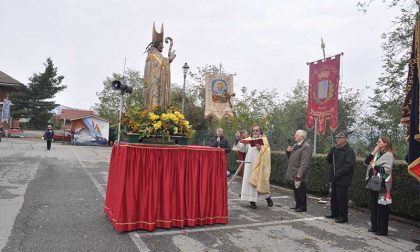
(157, 74)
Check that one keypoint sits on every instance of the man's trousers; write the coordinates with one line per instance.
(339, 201)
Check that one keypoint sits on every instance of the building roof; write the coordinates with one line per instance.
(69, 114)
(94, 116)
(6, 80)
(57, 110)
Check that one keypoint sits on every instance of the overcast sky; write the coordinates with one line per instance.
(266, 43)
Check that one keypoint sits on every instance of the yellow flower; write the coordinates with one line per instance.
(173, 118)
(153, 116)
(157, 125)
(164, 116)
(179, 115)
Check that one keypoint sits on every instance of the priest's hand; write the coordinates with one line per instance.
(258, 146)
(172, 56)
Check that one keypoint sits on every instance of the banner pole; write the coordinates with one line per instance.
(315, 135)
(64, 129)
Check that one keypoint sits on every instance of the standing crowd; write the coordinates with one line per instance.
(255, 153)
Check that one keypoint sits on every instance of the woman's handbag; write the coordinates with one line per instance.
(374, 183)
(377, 182)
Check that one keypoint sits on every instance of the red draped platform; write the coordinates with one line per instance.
(161, 186)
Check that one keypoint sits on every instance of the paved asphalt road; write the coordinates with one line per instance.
(53, 201)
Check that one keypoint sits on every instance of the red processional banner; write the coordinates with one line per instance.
(324, 76)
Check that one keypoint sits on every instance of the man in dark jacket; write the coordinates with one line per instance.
(48, 136)
(299, 156)
(220, 141)
(343, 160)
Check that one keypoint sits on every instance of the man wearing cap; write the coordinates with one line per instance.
(48, 136)
(343, 160)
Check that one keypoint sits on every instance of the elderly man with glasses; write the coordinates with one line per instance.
(256, 177)
(299, 156)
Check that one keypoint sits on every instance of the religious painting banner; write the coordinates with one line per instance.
(324, 76)
(411, 108)
(219, 94)
(5, 113)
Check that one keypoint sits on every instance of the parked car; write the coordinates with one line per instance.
(15, 132)
(58, 136)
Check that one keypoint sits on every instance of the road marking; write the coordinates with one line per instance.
(14, 181)
(275, 197)
(208, 229)
(280, 197)
(98, 186)
(133, 235)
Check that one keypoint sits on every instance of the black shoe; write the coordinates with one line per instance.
(372, 230)
(331, 216)
(253, 205)
(294, 208)
(341, 220)
(269, 202)
(381, 234)
(300, 210)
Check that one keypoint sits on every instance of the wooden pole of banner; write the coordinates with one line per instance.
(64, 130)
(316, 118)
(315, 135)
(340, 83)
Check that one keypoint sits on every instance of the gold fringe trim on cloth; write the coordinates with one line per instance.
(169, 221)
(164, 221)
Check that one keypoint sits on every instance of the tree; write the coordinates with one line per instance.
(389, 92)
(290, 116)
(35, 100)
(194, 103)
(109, 100)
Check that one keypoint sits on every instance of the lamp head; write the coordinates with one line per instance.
(185, 68)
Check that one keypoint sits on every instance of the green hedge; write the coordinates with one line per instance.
(405, 189)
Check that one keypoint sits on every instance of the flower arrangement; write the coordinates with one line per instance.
(156, 122)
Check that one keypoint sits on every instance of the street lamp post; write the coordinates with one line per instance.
(185, 70)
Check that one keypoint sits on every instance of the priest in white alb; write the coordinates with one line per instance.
(257, 167)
